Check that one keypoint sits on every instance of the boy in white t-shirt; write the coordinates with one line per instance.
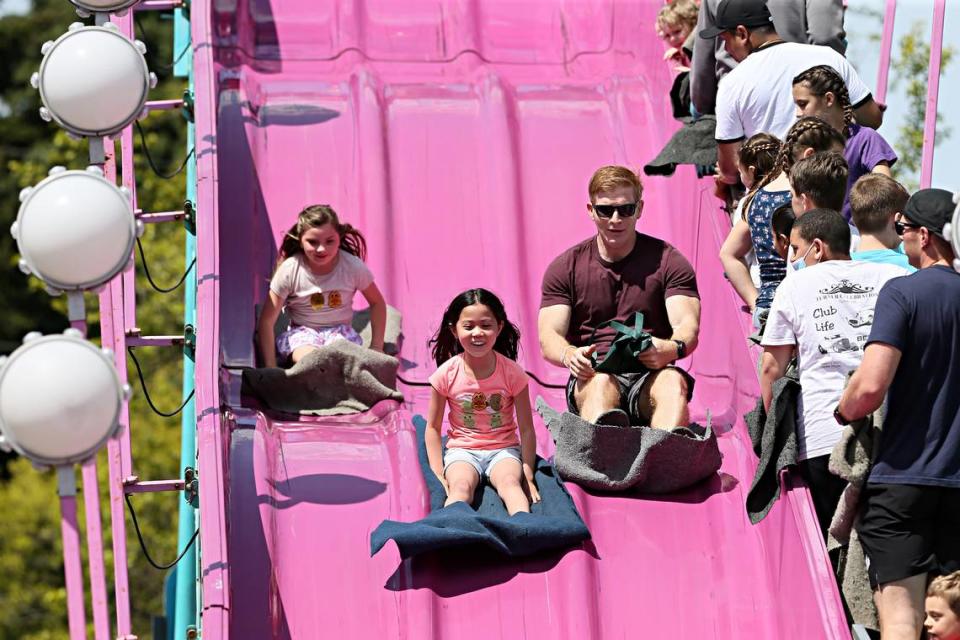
(823, 315)
(757, 95)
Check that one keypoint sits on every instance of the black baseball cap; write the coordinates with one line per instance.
(930, 208)
(731, 13)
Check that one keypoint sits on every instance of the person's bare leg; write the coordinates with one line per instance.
(300, 352)
(901, 608)
(462, 479)
(596, 396)
(505, 478)
(664, 400)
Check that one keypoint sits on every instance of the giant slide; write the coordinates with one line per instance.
(459, 135)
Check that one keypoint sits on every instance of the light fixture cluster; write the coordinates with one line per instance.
(60, 395)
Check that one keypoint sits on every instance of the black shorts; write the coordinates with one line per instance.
(631, 384)
(909, 530)
(825, 489)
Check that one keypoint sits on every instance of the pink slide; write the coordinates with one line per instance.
(459, 136)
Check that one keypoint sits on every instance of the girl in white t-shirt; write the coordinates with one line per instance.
(319, 269)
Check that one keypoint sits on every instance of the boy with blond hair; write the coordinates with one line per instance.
(875, 202)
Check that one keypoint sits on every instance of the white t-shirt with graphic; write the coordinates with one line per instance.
(320, 301)
(827, 311)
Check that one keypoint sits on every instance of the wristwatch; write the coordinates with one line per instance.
(681, 349)
(839, 416)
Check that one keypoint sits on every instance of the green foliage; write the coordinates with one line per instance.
(32, 591)
(910, 69)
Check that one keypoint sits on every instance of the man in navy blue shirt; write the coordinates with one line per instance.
(911, 520)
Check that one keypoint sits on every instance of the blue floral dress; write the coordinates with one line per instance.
(773, 268)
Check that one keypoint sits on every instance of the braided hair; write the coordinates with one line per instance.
(760, 151)
(824, 79)
(807, 132)
(317, 215)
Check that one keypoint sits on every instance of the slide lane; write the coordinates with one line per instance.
(460, 142)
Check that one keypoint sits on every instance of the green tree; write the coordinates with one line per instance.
(32, 593)
(910, 72)
(909, 65)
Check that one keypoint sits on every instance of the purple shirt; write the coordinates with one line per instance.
(864, 150)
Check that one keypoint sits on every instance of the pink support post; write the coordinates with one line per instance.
(72, 564)
(95, 564)
(886, 46)
(933, 94)
(111, 332)
(215, 588)
(98, 582)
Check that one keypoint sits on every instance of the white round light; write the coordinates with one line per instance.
(75, 230)
(60, 399)
(93, 81)
(103, 6)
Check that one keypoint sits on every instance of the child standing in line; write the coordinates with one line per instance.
(319, 269)
(820, 91)
(755, 161)
(943, 608)
(782, 224)
(476, 350)
(676, 24)
(807, 136)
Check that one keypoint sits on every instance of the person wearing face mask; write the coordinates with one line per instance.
(822, 314)
(757, 95)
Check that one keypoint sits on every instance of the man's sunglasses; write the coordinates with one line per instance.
(607, 210)
(901, 227)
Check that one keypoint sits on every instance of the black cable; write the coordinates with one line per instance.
(146, 394)
(143, 546)
(411, 383)
(153, 166)
(143, 35)
(146, 272)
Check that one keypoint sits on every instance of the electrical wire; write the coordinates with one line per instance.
(143, 545)
(146, 394)
(153, 167)
(165, 67)
(146, 272)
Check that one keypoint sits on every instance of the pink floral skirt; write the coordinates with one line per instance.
(297, 337)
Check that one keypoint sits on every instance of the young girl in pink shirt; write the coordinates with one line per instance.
(475, 349)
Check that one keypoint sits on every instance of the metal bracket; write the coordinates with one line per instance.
(188, 104)
(191, 487)
(189, 217)
(189, 342)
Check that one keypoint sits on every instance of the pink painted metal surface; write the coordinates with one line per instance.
(72, 566)
(95, 564)
(459, 137)
(212, 438)
(886, 48)
(111, 337)
(933, 94)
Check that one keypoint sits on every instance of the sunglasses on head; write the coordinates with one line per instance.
(607, 210)
(901, 227)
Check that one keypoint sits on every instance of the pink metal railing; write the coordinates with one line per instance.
(886, 46)
(933, 93)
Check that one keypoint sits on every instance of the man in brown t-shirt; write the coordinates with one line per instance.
(609, 277)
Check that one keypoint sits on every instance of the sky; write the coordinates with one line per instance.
(865, 56)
